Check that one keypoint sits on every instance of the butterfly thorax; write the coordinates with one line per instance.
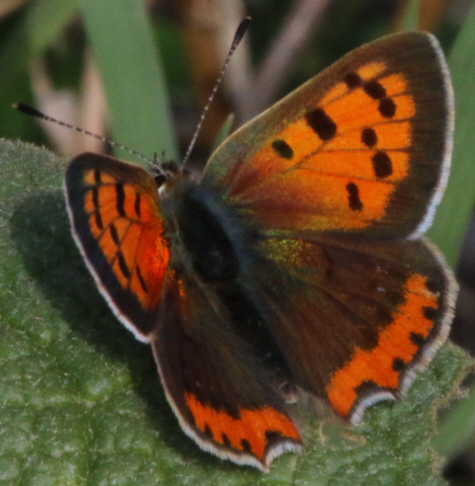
(195, 232)
(211, 248)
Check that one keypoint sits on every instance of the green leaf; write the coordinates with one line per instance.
(453, 215)
(45, 22)
(81, 400)
(458, 429)
(122, 41)
(40, 25)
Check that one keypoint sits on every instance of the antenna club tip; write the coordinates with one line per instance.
(28, 110)
(241, 30)
(19, 106)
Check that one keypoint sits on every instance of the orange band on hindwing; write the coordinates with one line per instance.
(251, 432)
(398, 344)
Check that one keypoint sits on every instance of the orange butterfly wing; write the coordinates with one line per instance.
(116, 222)
(364, 147)
(338, 178)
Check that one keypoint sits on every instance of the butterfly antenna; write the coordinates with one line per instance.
(28, 110)
(241, 30)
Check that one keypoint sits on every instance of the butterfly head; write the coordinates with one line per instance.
(166, 171)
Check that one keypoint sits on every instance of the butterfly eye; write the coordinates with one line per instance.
(164, 171)
(160, 180)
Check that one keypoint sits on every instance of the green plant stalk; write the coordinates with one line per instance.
(411, 19)
(453, 215)
(122, 41)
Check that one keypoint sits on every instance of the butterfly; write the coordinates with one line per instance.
(295, 263)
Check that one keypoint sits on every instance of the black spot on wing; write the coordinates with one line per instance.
(435, 285)
(120, 201)
(354, 197)
(374, 89)
(417, 339)
(98, 217)
(137, 204)
(272, 435)
(207, 431)
(382, 165)
(246, 447)
(283, 149)
(95, 197)
(142, 282)
(430, 313)
(123, 265)
(365, 386)
(97, 212)
(352, 80)
(387, 108)
(225, 440)
(398, 364)
(321, 124)
(114, 235)
(369, 137)
(97, 177)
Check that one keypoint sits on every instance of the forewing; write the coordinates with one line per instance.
(223, 397)
(115, 219)
(355, 320)
(364, 147)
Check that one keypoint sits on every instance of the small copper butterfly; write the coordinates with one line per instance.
(296, 261)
